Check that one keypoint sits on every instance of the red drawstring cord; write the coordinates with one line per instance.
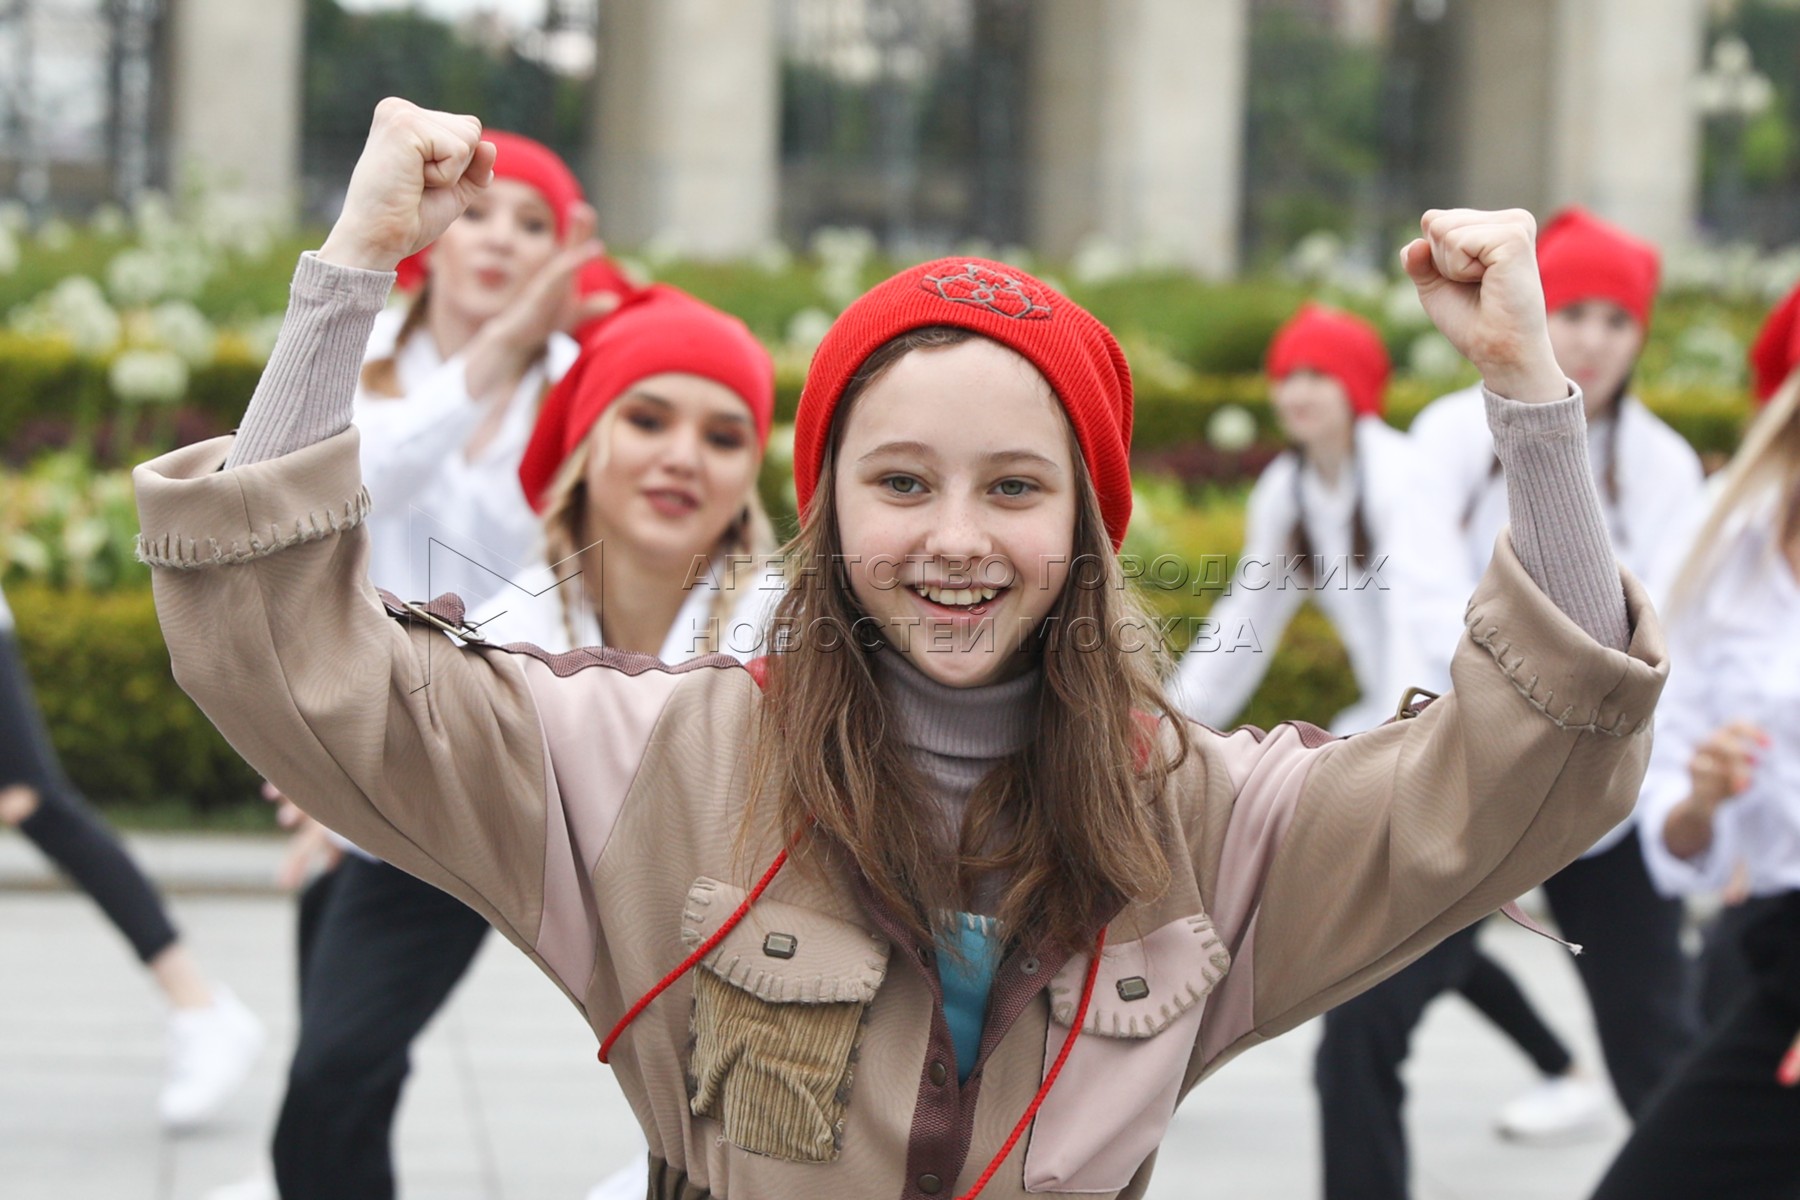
(1037, 1101)
(706, 947)
(699, 953)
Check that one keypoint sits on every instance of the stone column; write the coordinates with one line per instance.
(1137, 128)
(1628, 135)
(234, 94)
(1581, 102)
(687, 124)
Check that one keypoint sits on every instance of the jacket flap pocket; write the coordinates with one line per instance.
(1145, 985)
(783, 953)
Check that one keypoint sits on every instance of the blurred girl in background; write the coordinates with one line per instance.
(1722, 796)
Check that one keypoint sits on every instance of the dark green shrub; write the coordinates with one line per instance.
(125, 732)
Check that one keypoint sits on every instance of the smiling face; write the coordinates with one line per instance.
(678, 461)
(1597, 344)
(955, 493)
(1314, 410)
(487, 255)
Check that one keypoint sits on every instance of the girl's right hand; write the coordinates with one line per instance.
(418, 171)
(1724, 764)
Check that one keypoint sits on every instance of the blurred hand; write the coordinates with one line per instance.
(1725, 763)
(549, 302)
(418, 171)
(1477, 277)
(309, 844)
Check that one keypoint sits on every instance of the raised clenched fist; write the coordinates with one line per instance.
(1478, 279)
(418, 171)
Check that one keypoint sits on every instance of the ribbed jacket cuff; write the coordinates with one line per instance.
(307, 390)
(1558, 527)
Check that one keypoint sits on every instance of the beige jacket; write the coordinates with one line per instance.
(587, 803)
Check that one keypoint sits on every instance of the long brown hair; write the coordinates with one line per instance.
(739, 557)
(1070, 825)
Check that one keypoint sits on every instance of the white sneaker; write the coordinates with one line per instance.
(260, 1186)
(211, 1051)
(1564, 1109)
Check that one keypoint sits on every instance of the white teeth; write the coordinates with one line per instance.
(956, 597)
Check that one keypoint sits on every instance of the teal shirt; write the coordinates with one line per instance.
(967, 957)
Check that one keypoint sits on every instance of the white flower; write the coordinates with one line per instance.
(179, 326)
(77, 309)
(1316, 256)
(807, 328)
(1433, 357)
(136, 277)
(849, 245)
(841, 281)
(1401, 306)
(772, 258)
(1097, 260)
(15, 218)
(148, 377)
(9, 251)
(1231, 428)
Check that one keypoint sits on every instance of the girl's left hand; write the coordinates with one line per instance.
(1788, 1073)
(1478, 279)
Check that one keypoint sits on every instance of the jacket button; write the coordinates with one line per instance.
(780, 945)
(1133, 987)
(931, 1185)
(939, 1074)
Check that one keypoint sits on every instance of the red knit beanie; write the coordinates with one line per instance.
(1581, 257)
(528, 162)
(659, 329)
(1777, 348)
(1073, 351)
(1338, 344)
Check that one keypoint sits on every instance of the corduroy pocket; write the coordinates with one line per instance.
(779, 1008)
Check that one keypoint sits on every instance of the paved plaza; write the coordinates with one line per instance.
(507, 1102)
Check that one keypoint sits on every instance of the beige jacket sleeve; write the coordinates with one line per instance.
(1328, 864)
(435, 757)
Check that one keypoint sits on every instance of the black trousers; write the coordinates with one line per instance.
(67, 831)
(1497, 996)
(1723, 1126)
(380, 952)
(1633, 971)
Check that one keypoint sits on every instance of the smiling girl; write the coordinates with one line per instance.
(966, 908)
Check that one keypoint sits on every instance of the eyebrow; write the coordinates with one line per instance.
(997, 457)
(736, 418)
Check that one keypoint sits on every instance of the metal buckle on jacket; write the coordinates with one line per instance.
(1413, 702)
(463, 632)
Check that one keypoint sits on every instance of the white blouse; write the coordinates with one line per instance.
(1734, 654)
(441, 521)
(1460, 507)
(1216, 678)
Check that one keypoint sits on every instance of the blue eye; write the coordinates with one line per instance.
(1015, 488)
(903, 485)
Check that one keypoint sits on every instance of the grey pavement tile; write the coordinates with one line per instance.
(508, 1103)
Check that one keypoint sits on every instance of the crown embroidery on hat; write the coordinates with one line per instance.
(1003, 294)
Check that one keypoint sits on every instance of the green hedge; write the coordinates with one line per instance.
(125, 732)
(47, 379)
